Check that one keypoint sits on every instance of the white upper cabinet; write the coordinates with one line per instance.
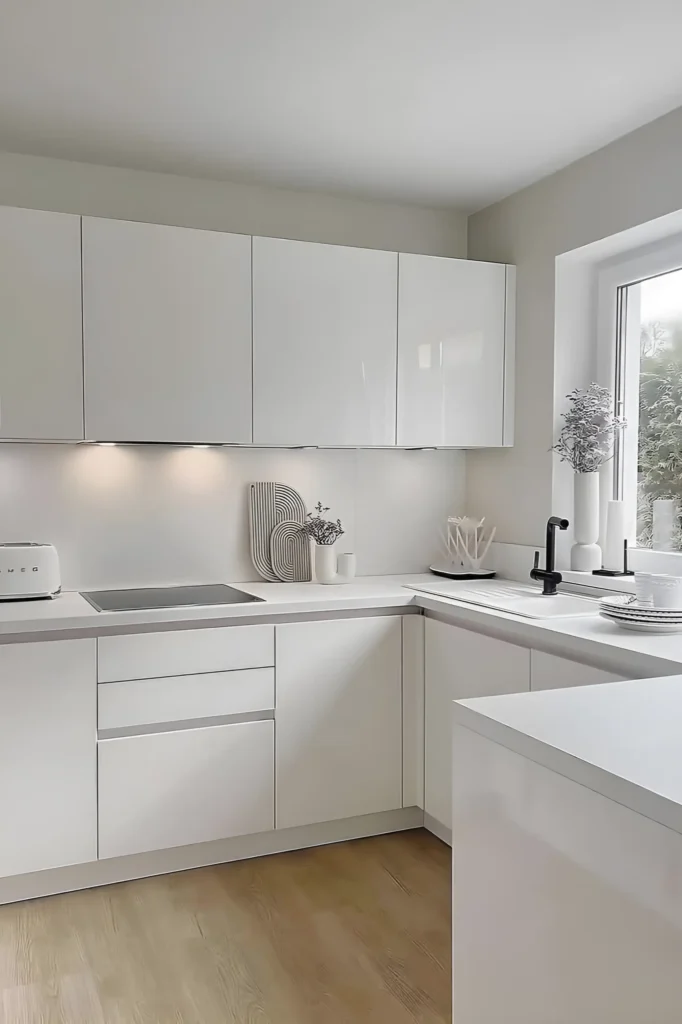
(167, 333)
(455, 352)
(324, 334)
(41, 344)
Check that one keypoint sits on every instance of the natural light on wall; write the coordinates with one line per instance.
(649, 387)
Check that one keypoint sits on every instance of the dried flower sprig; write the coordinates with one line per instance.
(323, 531)
(589, 430)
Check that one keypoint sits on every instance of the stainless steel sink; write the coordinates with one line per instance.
(514, 598)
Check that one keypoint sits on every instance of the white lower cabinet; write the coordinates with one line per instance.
(187, 786)
(549, 672)
(339, 719)
(48, 797)
(460, 664)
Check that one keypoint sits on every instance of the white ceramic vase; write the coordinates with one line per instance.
(585, 553)
(325, 563)
(330, 568)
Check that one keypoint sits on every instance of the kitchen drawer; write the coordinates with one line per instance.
(184, 651)
(179, 698)
(550, 672)
(189, 786)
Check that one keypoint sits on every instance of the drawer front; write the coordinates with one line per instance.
(549, 672)
(185, 651)
(189, 786)
(180, 698)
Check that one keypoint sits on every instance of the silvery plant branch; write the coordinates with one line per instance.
(323, 531)
(589, 431)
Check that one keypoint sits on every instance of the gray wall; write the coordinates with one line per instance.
(68, 187)
(632, 181)
(147, 514)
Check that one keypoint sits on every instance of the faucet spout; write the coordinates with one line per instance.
(549, 576)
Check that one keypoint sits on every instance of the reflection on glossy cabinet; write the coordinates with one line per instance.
(339, 719)
(460, 664)
(48, 758)
(324, 337)
(41, 344)
(548, 672)
(167, 333)
(455, 352)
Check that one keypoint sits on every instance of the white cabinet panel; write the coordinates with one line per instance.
(338, 714)
(451, 352)
(138, 702)
(41, 344)
(324, 333)
(413, 711)
(184, 651)
(460, 664)
(548, 672)
(48, 760)
(190, 786)
(167, 333)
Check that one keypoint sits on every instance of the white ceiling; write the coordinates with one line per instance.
(455, 102)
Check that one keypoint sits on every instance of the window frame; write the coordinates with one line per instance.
(613, 278)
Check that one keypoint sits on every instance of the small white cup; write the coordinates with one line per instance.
(644, 589)
(659, 590)
(347, 565)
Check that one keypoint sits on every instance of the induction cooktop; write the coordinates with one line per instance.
(147, 598)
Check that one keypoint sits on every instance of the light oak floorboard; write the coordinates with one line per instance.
(356, 933)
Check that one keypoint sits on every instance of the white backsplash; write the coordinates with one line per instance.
(138, 516)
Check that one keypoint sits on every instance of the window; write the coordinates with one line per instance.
(646, 372)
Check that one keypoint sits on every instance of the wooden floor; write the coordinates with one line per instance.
(358, 933)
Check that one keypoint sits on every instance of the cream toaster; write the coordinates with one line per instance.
(28, 570)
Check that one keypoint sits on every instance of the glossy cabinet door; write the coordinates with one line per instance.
(48, 756)
(548, 672)
(41, 343)
(460, 664)
(167, 333)
(324, 344)
(455, 353)
(176, 788)
(339, 719)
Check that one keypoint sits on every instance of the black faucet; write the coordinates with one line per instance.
(549, 576)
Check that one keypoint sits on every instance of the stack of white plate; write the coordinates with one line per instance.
(627, 613)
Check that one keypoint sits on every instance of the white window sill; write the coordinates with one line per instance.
(640, 560)
(615, 584)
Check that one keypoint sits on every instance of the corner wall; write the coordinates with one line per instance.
(630, 182)
(69, 187)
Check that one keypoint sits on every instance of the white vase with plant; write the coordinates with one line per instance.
(586, 444)
(325, 533)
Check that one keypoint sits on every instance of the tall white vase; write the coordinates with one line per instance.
(586, 553)
(325, 564)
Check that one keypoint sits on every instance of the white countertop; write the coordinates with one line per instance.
(587, 638)
(70, 612)
(623, 740)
